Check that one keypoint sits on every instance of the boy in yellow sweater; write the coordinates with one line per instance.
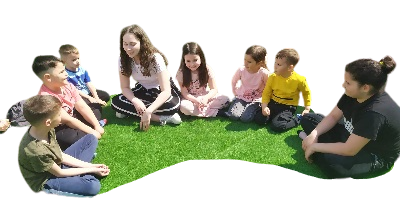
(280, 97)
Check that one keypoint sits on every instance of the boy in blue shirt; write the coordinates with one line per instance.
(79, 77)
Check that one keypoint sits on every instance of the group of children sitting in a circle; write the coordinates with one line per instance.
(359, 137)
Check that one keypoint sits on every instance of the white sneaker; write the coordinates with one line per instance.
(119, 115)
(173, 119)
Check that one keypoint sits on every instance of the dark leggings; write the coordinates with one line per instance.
(66, 136)
(336, 166)
(281, 116)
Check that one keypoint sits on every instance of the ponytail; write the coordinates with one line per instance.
(388, 65)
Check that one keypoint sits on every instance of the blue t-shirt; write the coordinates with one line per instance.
(79, 79)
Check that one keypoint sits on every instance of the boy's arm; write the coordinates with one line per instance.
(92, 89)
(77, 124)
(84, 95)
(88, 114)
(267, 92)
(74, 162)
(94, 93)
(58, 172)
(305, 90)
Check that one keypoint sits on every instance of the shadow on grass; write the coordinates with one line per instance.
(301, 165)
(241, 126)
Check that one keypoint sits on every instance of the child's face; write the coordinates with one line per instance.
(57, 76)
(192, 61)
(131, 45)
(281, 67)
(251, 65)
(71, 61)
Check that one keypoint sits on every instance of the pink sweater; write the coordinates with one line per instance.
(251, 85)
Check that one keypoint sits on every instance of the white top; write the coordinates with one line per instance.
(151, 81)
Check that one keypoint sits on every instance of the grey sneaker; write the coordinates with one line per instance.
(173, 119)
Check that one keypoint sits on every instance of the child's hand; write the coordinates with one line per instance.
(139, 106)
(4, 124)
(145, 121)
(266, 111)
(197, 101)
(99, 101)
(92, 100)
(308, 152)
(305, 111)
(96, 134)
(204, 100)
(101, 171)
(309, 140)
(99, 129)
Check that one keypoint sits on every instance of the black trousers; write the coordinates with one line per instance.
(171, 106)
(360, 165)
(281, 116)
(66, 136)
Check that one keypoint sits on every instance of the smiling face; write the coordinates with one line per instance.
(71, 61)
(131, 45)
(192, 61)
(56, 77)
(251, 65)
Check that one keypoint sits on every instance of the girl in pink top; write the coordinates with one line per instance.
(253, 77)
(198, 87)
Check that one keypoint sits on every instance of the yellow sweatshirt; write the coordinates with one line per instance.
(286, 90)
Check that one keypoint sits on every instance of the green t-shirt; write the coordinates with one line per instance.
(36, 157)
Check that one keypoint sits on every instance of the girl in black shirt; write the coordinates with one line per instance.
(361, 135)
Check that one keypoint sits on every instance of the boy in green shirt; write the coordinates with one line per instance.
(41, 161)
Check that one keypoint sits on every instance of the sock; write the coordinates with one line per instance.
(103, 122)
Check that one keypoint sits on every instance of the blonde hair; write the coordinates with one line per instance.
(67, 49)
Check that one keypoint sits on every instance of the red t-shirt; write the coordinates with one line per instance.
(69, 96)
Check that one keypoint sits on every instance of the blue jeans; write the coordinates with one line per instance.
(85, 184)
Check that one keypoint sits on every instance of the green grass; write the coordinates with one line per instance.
(132, 154)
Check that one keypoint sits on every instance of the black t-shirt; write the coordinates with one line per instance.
(377, 119)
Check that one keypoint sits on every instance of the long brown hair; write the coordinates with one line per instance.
(146, 52)
(194, 49)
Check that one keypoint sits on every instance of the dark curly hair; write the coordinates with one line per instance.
(41, 64)
(195, 49)
(370, 72)
(146, 52)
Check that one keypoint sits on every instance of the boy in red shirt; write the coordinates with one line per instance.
(77, 118)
